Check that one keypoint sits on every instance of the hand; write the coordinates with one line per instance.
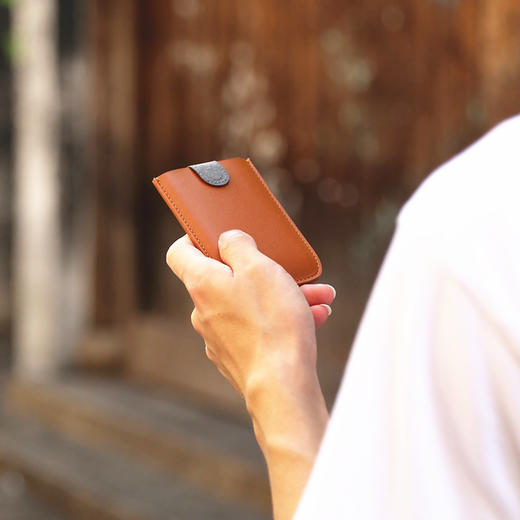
(259, 330)
(255, 320)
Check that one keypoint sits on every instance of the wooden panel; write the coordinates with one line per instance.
(113, 62)
(500, 59)
(344, 106)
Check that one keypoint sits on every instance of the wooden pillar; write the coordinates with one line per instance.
(112, 59)
(36, 269)
(113, 51)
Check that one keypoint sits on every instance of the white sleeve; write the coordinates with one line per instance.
(426, 424)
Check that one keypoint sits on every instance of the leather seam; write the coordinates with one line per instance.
(292, 224)
(179, 212)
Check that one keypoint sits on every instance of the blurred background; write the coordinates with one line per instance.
(109, 408)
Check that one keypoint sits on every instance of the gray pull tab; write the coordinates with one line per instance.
(212, 173)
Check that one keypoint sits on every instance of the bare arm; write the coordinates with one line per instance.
(259, 330)
(289, 423)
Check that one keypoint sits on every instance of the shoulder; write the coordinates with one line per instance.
(480, 184)
(465, 218)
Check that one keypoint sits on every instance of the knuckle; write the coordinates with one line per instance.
(210, 355)
(278, 272)
(170, 255)
(193, 287)
(196, 285)
(202, 284)
(261, 268)
(195, 322)
(255, 266)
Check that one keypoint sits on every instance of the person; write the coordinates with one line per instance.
(426, 423)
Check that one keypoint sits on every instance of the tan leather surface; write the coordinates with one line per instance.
(245, 203)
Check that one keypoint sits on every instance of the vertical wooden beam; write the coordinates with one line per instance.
(113, 41)
(36, 269)
(76, 185)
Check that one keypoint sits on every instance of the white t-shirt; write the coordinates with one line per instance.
(426, 424)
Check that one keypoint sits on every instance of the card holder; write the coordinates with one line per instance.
(210, 198)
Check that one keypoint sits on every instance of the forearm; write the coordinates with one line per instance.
(289, 420)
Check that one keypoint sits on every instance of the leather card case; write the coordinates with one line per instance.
(210, 198)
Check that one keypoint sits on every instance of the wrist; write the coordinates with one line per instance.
(287, 409)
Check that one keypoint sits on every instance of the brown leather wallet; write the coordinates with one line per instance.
(210, 198)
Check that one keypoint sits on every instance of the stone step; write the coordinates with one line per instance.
(17, 502)
(203, 449)
(88, 482)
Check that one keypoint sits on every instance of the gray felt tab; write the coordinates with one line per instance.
(212, 173)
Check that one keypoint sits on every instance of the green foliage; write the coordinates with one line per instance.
(9, 47)
(7, 40)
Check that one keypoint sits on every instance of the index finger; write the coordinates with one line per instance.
(188, 262)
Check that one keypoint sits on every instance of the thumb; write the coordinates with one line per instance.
(236, 248)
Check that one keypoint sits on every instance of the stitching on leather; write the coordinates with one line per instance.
(293, 225)
(179, 212)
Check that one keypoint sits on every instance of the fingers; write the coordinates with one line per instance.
(318, 293)
(320, 313)
(320, 297)
(237, 248)
(188, 263)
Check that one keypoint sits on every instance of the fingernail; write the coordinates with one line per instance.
(334, 290)
(329, 310)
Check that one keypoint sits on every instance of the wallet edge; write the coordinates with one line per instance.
(299, 234)
(163, 191)
(178, 213)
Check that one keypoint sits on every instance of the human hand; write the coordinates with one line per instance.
(257, 324)
(259, 330)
